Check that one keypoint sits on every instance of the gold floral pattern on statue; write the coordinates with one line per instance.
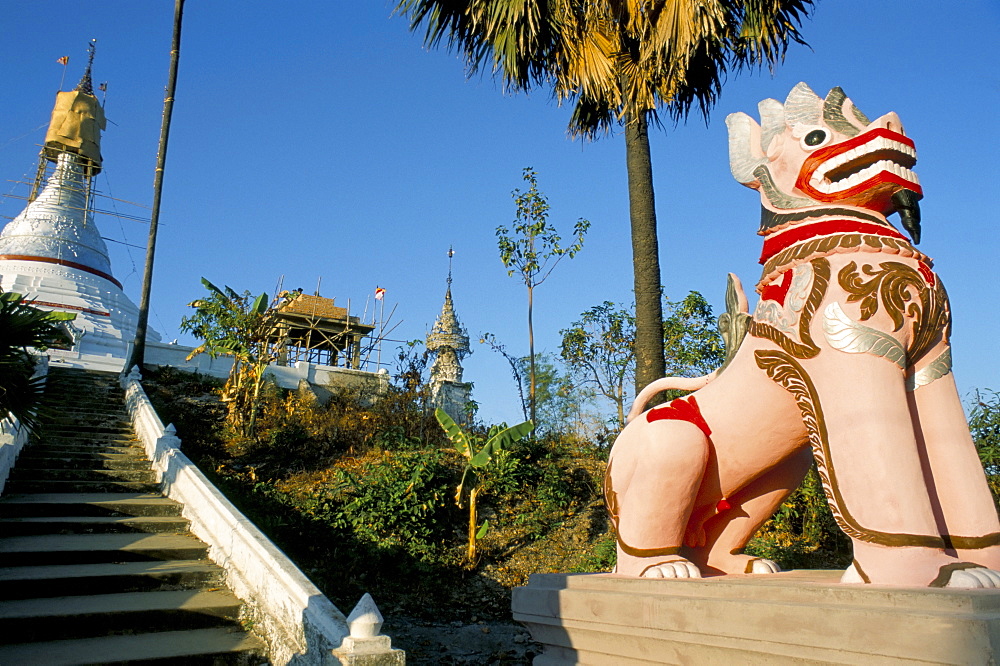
(905, 293)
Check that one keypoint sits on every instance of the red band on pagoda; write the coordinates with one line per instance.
(62, 262)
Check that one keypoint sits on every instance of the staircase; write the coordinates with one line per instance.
(96, 565)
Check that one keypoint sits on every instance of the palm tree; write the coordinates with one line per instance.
(619, 62)
(23, 328)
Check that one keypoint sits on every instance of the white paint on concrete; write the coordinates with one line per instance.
(13, 434)
(287, 377)
(53, 254)
(365, 620)
(291, 614)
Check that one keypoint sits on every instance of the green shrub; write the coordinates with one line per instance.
(803, 534)
(403, 499)
(602, 556)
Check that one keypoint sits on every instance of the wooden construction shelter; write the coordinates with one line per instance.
(313, 329)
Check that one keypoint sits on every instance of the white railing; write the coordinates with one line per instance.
(291, 614)
(13, 434)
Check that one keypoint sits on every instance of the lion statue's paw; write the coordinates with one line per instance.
(679, 568)
(762, 565)
(975, 578)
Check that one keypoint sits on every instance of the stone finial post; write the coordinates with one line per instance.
(366, 646)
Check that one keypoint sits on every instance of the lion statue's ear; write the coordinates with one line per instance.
(745, 154)
(803, 107)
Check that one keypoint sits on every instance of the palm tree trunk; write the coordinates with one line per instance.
(649, 362)
(137, 357)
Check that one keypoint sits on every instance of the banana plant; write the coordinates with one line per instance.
(476, 462)
(237, 325)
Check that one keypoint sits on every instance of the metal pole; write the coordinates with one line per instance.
(139, 348)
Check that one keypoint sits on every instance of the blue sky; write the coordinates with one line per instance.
(320, 139)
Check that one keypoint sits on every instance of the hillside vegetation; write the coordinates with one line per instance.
(361, 495)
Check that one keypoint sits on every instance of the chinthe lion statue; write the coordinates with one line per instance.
(845, 360)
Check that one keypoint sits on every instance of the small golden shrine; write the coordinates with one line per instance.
(313, 329)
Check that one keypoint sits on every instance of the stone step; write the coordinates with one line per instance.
(104, 578)
(195, 647)
(88, 504)
(84, 415)
(26, 620)
(109, 439)
(32, 525)
(94, 556)
(66, 383)
(62, 381)
(66, 391)
(82, 473)
(87, 407)
(82, 446)
(83, 430)
(59, 486)
(58, 383)
(89, 437)
(44, 549)
(87, 399)
(131, 459)
(59, 388)
(89, 417)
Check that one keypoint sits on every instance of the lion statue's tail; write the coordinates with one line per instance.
(666, 384)
(733, 324)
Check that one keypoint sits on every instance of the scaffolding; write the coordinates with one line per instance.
(313, 329)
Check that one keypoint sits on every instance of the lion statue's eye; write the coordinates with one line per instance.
(815, 138)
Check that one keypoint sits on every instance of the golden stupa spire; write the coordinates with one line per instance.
(77, 121)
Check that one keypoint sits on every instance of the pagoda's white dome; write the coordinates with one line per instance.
(57, 226)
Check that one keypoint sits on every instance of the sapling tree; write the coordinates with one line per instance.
(514, 363)
(478, 456)
(599, 348)
(692, 344)
(560, 403)
(532, 249)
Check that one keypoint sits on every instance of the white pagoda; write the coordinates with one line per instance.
(53, 252)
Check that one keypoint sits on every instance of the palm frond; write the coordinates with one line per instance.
(614, 58)
(23, 328)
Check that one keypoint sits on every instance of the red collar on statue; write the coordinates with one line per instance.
(776, 243)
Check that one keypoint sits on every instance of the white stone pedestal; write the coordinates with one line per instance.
(796, 617)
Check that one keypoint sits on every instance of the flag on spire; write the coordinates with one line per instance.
(63, 61)
(379, 293)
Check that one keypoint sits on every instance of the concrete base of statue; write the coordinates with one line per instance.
(795, 617)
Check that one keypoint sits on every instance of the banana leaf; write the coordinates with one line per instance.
(501, 440)
(458, 437)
